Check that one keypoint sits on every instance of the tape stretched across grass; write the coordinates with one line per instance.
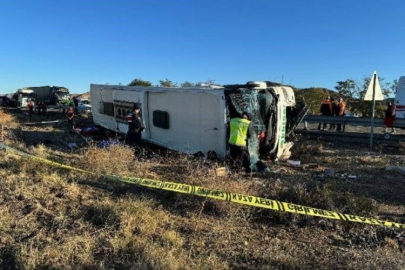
(223, 195)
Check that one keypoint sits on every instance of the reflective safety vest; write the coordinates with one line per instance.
(239, 130)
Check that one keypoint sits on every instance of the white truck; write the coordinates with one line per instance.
(24, 96)
(196, 119)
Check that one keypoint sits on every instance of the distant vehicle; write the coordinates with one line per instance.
(196, 119)
(83, 106)
(399, 101)
(349, 114)
(85, 101)
(8, 101)
(50, 95)
(23, 96)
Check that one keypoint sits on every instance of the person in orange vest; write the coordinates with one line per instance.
(71, 118)
(341, 107)
(31, 107)
(240, 131)
(326, 109)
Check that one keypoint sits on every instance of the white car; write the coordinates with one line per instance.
(349, 114)
(84, 107)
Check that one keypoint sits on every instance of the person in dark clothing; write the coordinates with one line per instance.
(340, 112)
(42, 108)
(240, 131)
(71, 117)
(326, 109)
(334, 113)
(389, 119)
(76, 103)
(135, 126)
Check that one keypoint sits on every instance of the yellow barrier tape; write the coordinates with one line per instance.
(225, 195)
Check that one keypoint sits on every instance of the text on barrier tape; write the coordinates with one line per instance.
(224, 195)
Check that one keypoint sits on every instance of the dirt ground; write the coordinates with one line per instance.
(54, 219)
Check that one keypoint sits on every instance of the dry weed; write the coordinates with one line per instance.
(6, 119)
(306, 151)
(115, 160)
(401, 147)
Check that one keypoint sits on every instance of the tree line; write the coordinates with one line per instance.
(168, 83)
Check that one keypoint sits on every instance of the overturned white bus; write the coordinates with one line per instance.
(196, 119)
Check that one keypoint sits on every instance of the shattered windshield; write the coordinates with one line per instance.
(259, 104)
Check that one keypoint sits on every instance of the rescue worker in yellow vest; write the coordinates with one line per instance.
(240, 131)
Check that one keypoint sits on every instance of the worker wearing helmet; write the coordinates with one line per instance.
(240, 131)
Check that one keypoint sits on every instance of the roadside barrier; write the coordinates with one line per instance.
(223, 195)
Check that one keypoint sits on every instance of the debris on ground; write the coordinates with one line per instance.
(72, 145)
(329, 172)
(395, 169)
(108, 143)
(294, 162)
(88, 131)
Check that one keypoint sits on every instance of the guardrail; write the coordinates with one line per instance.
(351, 121)
(65, 107)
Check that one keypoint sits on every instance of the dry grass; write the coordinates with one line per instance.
(6, 119)
(58, 219)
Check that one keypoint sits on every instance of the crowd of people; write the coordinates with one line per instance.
(330, 108)
(41, 107)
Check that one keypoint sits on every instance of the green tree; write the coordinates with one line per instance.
(167, 83)
(139, 82)
(313, 97)
(387, 88)
(346, 89)
(187, 84)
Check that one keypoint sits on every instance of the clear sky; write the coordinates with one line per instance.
(305, 43)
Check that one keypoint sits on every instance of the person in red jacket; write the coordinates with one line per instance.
(31, 107)
(389, 119)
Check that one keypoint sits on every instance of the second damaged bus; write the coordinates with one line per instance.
(196, 119)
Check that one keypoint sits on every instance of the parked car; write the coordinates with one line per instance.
(84, 107)
(349, 114)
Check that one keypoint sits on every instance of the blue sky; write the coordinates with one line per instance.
(306, 43)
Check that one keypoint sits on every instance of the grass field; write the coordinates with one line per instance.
(58, 219)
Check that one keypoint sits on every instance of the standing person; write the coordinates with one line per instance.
(240, 131)
(41, 108)
(326, 109)
(389, 119)
(135, 126)
(341, 107)
(76, 104)
(31, 107)
(71, 118)
(334, 113)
